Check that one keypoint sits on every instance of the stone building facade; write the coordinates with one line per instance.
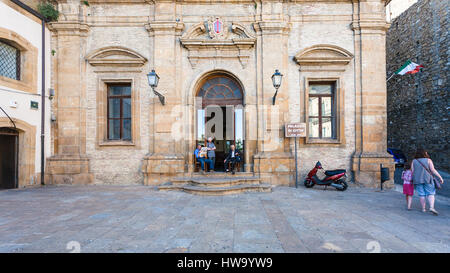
(222, 53)
(21, 56)
(418, 104)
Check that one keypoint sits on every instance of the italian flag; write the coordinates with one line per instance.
(409, 68)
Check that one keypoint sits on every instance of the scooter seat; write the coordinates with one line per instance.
(334, 172)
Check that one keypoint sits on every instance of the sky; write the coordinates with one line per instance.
(396, 7)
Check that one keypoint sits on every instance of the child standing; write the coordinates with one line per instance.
(408, 186)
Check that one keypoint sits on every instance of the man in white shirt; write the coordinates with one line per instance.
(232, 158)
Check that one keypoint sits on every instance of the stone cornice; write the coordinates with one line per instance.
(237, 42)
(376, 25)
(119, 1)
(67, 28)
(164, 27)
(272, 27)
(201, 1)
(124, 2)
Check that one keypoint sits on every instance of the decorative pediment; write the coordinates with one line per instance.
(194, 32)
(216, 29)
(215, 38)
(116, 56)
(319, 55)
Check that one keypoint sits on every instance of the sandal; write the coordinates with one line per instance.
(434, 212)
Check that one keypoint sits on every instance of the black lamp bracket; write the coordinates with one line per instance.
(274, 97)
(161, 97)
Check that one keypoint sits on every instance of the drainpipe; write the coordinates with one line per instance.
(38, 15)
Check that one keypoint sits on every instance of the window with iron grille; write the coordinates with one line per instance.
(119, 112)
(9, 61)
(322, 110)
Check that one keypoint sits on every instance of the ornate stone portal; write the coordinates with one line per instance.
(322, 59)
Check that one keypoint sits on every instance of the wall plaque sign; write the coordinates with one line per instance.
(295, 130)
(34, 105)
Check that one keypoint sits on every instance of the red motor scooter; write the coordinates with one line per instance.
(334, 178)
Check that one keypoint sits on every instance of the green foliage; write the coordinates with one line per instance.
(49, 11)
(239, 145)
(86, 3)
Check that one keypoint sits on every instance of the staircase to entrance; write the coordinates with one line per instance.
(217, 183)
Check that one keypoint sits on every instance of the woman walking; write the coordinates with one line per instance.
(423, 171)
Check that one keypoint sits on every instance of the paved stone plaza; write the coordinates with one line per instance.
(141, 219)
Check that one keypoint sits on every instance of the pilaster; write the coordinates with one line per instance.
(369, 26)
(70, 165)
(274, 159)
(165, 157)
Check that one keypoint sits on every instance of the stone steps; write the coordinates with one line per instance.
(223, 174)
(216, 184)
(201, 190)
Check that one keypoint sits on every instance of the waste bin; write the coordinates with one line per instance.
(384, 175)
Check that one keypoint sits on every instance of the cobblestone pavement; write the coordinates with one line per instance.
(141, 219)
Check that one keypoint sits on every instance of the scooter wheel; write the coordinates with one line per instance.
(309, 184)
(344, 184)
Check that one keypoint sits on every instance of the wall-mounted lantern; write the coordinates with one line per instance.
(153, 80)
(276, 81)
(51, 93)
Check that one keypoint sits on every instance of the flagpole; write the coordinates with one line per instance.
(390, 77)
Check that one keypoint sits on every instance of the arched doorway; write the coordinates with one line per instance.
(220, 114)
(9, 158)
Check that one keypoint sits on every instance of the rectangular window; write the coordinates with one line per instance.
(9, 61)
(322, 110)
(119, 112)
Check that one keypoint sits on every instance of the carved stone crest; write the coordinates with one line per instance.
(215, 39)
(216, 28)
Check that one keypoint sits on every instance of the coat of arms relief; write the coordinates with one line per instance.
(216, 29)
(217, 39)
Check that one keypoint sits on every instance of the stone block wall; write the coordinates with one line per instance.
(418, 104)
(308, 41)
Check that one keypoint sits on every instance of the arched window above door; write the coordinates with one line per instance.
(220, 90)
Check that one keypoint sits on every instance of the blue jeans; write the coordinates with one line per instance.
(425, 189)
(205, 160)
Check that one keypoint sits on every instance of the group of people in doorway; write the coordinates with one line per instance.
(421, 176)
(207, 155)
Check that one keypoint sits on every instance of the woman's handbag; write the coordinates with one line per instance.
(437, 183)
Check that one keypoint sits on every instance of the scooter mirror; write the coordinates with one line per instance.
(319, 165)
